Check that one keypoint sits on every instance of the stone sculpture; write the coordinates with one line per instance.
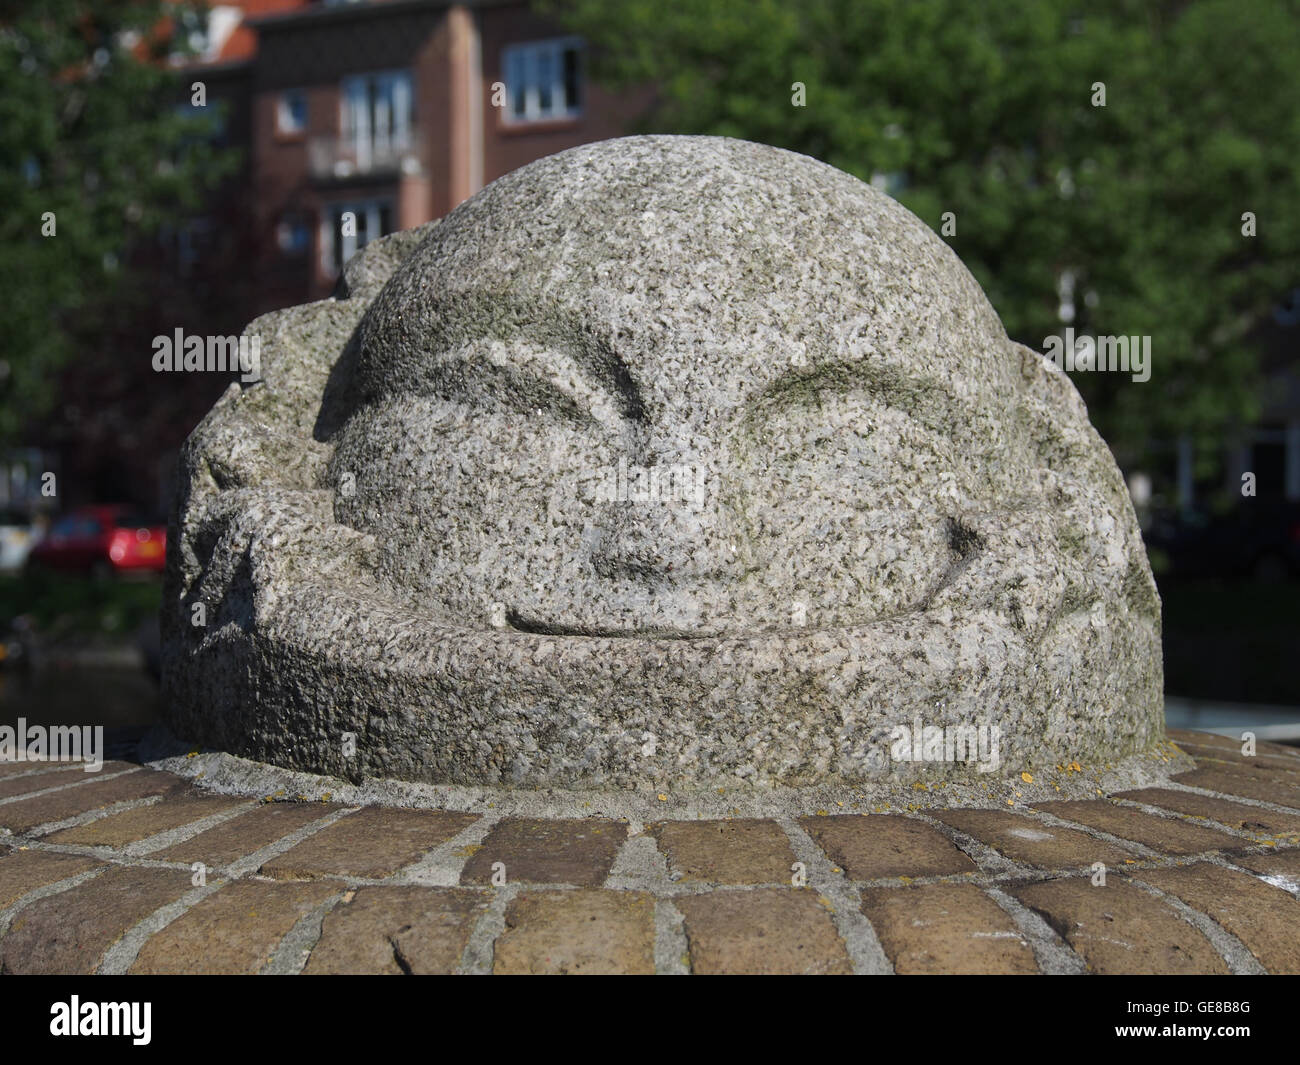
(661, 462)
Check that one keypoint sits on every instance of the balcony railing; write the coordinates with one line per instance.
(333, 158)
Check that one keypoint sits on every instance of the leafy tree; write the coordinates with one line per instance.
(97, 154)
(992, 111)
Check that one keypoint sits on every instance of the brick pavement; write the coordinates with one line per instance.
(136, 870)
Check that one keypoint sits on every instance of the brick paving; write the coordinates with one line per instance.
(136, 870)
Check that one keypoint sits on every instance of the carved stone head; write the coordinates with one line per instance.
(662, 461)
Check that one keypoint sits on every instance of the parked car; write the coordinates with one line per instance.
(103, 540)
(1254, 539)
(17, 535)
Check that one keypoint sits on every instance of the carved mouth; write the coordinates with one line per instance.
(539, 627)
(964, 542)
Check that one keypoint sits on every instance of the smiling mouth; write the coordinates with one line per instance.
(538, 627)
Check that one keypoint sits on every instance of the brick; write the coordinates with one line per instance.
(1282, 869)
(26, 814)
(1263, 917)
(242, 835)
(1211, 756)
(1163, 834)
(584, 932)
(69, 932)
(1120, 928)
(1023, 839)
(1231, 745)
(233, 931)
(131, 826)
(13, 769)
(1247, 781)
(50, 778)
(24, 871)
(764, 931)
(578, 852)
(946, 928)
(726, 852)
(397, 929)
(10, 768)
(876, 846)
(372, 843)
(1253, 819)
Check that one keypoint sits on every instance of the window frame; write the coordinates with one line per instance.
(282, 110)
(371, 207)
(524, 60)
(366, 138)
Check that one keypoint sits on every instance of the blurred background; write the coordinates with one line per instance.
(1111, 167)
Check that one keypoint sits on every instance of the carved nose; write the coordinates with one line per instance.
(663, 522)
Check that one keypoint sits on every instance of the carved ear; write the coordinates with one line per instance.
(369, 270)
(1060, 436)
(1096, 526)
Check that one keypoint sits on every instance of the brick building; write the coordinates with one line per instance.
(360, 118)
(352, 119)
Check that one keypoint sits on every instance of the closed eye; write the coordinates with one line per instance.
(525, 379)
(920, 398)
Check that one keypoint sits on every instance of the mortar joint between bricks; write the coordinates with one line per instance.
(1174, 785)
(1235, 954)
(987, 859)
(1053, 821)
(1181, 818)
(866, 953)
(90, 778)
(1052, 954)
(480, 949)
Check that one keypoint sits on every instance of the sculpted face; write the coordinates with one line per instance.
(662, 461)
(807, 471)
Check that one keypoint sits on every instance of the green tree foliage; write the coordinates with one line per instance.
(93, 131)
(987, 110)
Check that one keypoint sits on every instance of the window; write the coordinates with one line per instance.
(293, 234)
(376, 118)
(346, 228)
(291, 112)
(543, 80)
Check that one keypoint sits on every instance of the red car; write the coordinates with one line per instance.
(102, 540)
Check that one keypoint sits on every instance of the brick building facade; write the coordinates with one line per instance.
(360, 119)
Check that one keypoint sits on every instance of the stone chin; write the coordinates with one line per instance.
(400, 532)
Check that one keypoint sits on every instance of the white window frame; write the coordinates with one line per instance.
(526, 65)
(283, 112)
(366, 113)
(369, 209)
